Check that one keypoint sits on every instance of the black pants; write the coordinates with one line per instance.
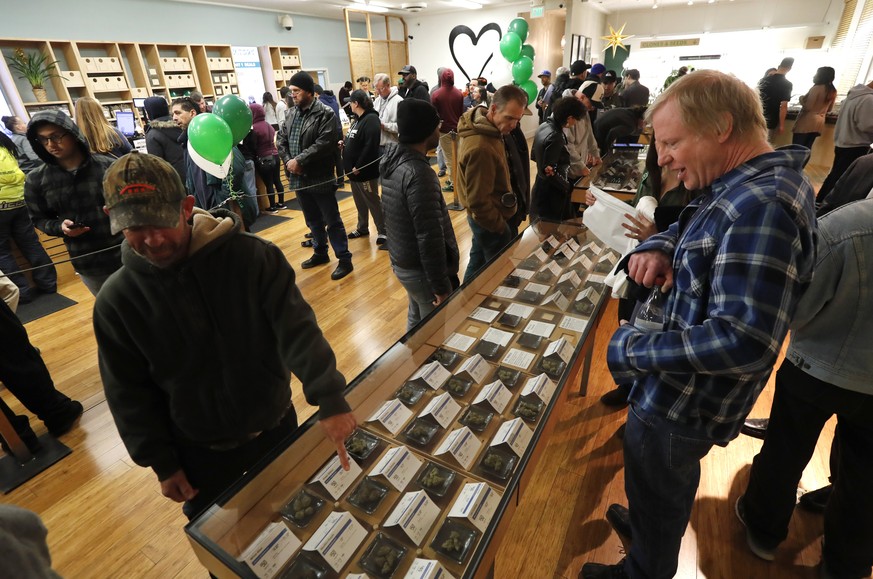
(804, 139)
(843, 157)
(801, 407)
(212, 472)
(272, 179)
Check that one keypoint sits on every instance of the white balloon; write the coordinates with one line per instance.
(220, 171)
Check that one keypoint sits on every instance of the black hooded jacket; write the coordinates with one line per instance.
(162, 140)
(361, 148)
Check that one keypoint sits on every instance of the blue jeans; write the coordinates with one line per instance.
(321, 210)
(662, 472)
(15, 224)
(414, 281)
(486, 245)
(94, 281)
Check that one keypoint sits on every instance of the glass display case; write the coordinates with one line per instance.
(451, 420)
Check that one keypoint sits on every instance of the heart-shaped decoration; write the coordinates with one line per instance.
(473, 53)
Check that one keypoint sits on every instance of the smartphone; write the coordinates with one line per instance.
(76, 226)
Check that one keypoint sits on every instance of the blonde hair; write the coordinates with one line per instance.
(101, 136)
(701, 96)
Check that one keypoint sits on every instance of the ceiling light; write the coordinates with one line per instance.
(691, 2)
(465, 4)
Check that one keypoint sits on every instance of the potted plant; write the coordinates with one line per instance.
(35, 68)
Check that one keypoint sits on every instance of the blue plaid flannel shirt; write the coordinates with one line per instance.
(742, 255)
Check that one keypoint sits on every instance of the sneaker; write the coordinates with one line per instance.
(442, 173)
(618, 518)
(316, 259)
(755, 545)
(381, 239)
(307, 243)
(272, 209)
(617, 397)
(448, 187)
(62, 422)
(280, 206)
(601, 571)
(755, 427)
(340, 183)
(356, 233)
(816, 501)
(344, 268)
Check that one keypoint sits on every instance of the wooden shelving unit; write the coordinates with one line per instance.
(215, 71)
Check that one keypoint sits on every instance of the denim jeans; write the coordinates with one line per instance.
(15, 224)
(321, 210)
(485, 246)
(367, 201)
(94, 281)
(802, 405)
(662, 472)
(414, 281)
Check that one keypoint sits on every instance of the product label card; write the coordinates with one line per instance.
(484, 315)
(537, 288)
(573, 324)
(518, 358)
(597, 278)
(476, 503)
(593, 246)
(520, 310)
(536, 328)
(515, 433)
(589, 294)
(573, 245)
(558, 299)
(461, 444)
(271, 550)
(553, 241)
(334, 479)
(584, 261)
(415, 514)
(608, 259)
(337, 539)
(541, 386)
(427, 569)
(433, 374)
(552, 267)
(496, 394)
(476, 368)
(572, 277)
(357, 576)
(392, 415)
(399, 466)
(503, 291)
(540, 254)
(562, 348)
(460, 342)
(496, 336)
(443, 408)
(523, 273)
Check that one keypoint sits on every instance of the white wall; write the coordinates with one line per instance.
(584, 20)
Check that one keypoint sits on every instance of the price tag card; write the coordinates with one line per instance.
(443, 408)
(476, 503)
(562, 348)
(553, 241)
(427, 569)
(392, 415)
(593, 246)
(496, 336)
(540, 254)
(596, 278)
(541, 386)
(515, 433)
(334, 479)
(415, 514)
(572, 277)
(588, 293)
(520, 310)
(607, 260)
(271, 550)
(433, 374)
(475, 367)
(496, 394)
(518, 358)
(572, 244)
(573, 324)
(503, 291)
(537, 288)
(337, 539)
(484, 315)
(558, 299)
(552, 267)
(523, 273)
(584, 261)
(536, 328)
(398, 465)
(461, 444)
(460, 342)
(357, 576)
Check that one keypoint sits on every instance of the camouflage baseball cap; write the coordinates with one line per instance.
(142, 190)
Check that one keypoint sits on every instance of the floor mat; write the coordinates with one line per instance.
(43, 305)
(268, 220)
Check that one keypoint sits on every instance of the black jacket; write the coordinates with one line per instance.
(54, 194)
(317, 146)
(416, 218)
(417, 90)
(362, 147)
(519, 172)
(162, 140)
(614, 124)
(551, 195)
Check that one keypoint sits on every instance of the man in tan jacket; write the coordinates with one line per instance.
(483, 174)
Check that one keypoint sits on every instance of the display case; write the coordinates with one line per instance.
(451, 422)
(622, 169)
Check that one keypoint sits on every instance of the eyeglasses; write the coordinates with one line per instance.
(56, 139)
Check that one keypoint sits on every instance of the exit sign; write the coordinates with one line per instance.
(537, 11)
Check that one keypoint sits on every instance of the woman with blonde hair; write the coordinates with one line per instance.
(102, 137)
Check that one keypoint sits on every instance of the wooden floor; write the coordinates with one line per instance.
(107, 518)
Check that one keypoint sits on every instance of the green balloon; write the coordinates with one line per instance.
(530, 87)
(519, 26)
(211, 137)
(522, 69)
(510, 46)
(528, 51)
(236, 113)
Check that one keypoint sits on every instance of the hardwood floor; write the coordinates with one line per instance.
(107, 518)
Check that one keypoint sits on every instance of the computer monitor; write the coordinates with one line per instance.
(139, 103)
(125, 122)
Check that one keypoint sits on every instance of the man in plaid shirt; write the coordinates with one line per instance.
(735, 265)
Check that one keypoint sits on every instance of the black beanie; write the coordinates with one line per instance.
(302, 81)
(416, 120)
(156, 107)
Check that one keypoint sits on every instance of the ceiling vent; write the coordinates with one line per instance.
(414, 6)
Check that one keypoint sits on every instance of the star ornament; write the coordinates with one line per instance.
(616, 38)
